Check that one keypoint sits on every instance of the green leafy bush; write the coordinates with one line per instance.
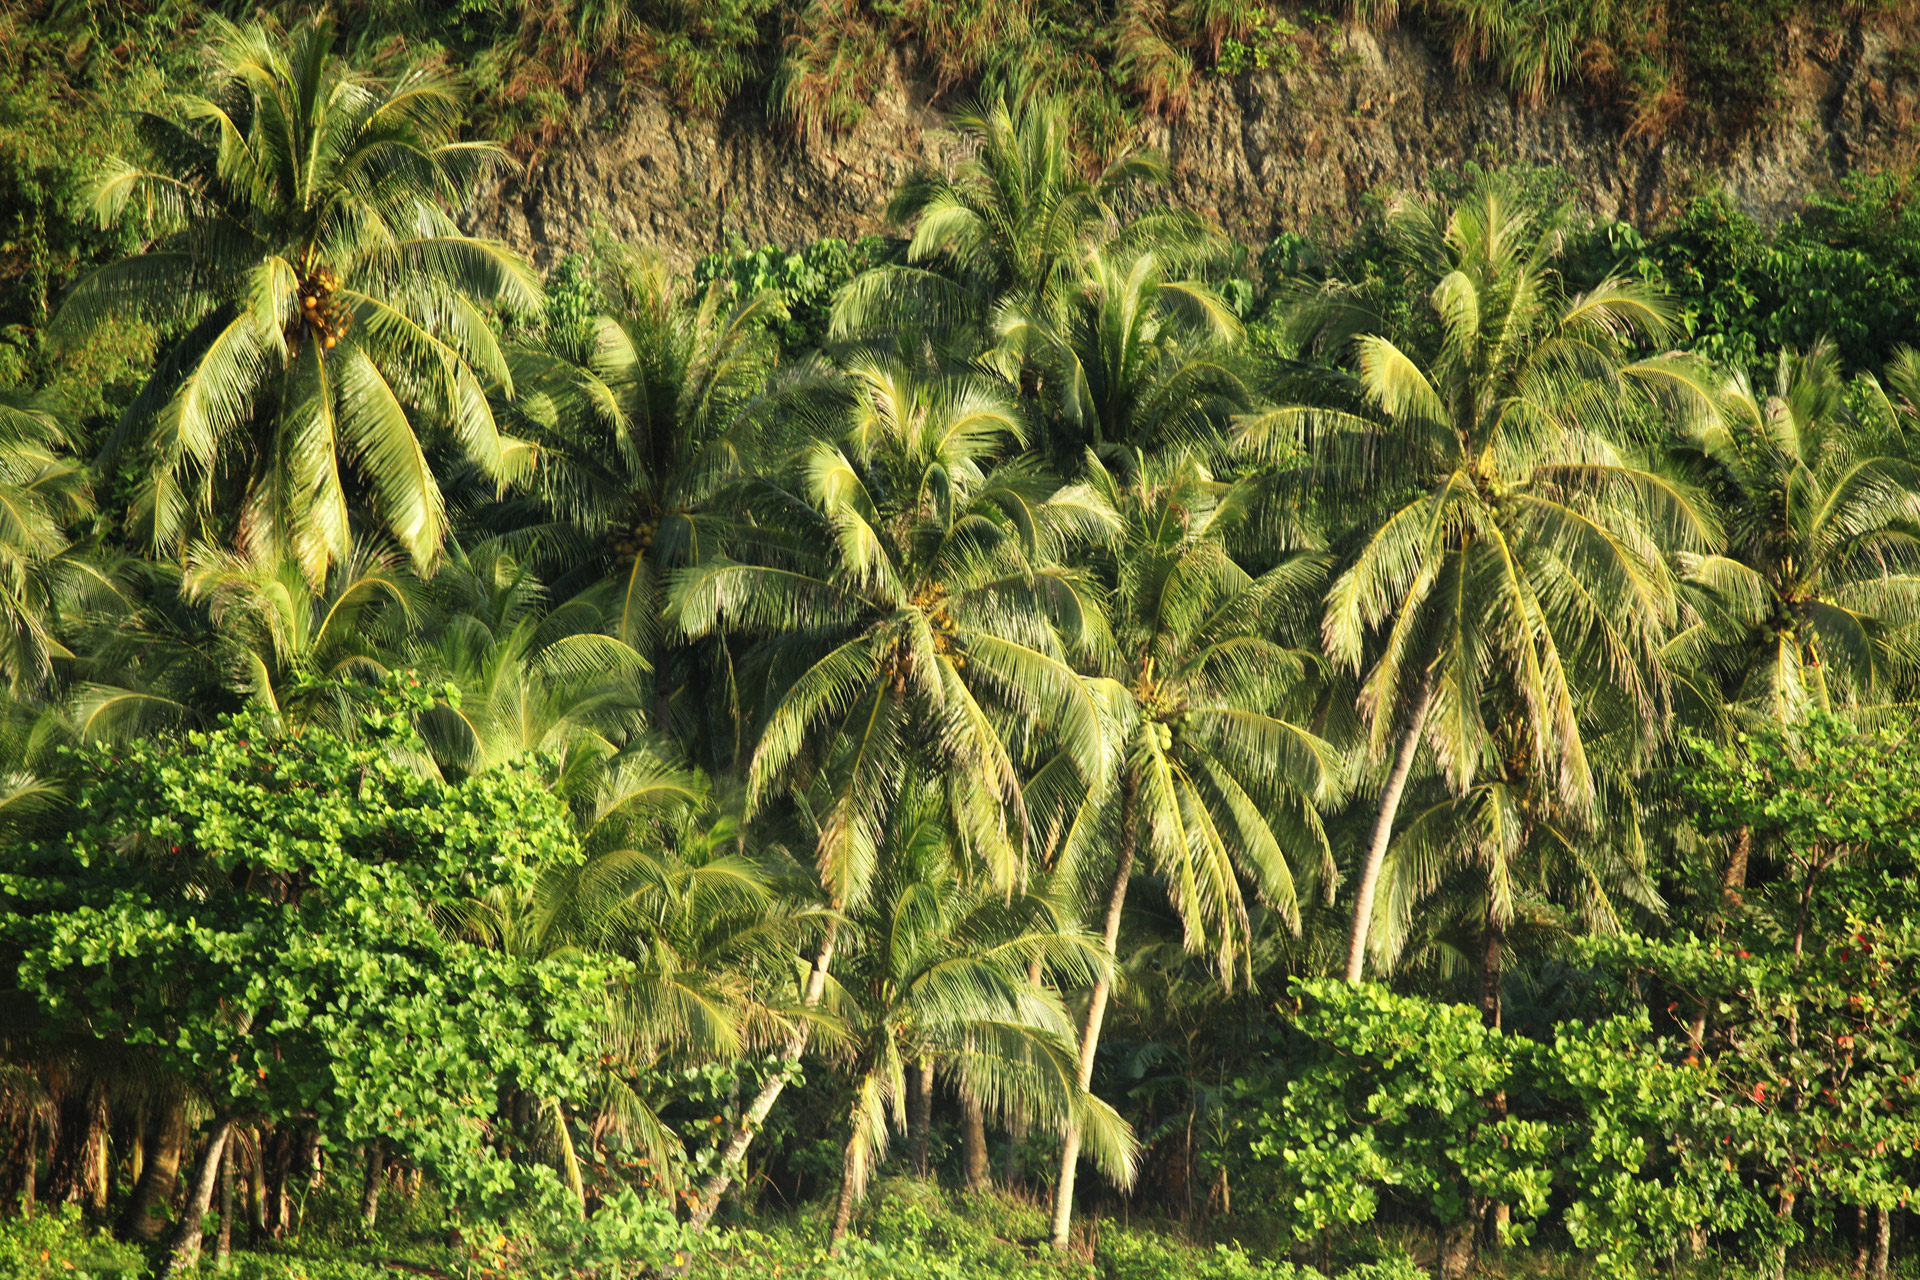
(291, 884)
(58, 1245)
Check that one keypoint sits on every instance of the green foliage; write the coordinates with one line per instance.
(806, 279)
(1394, 1092)
(988, 572)
(1846, 270)
(1268, 45)
(294, 888)
(58, 1245)
(1627, 1153)
(1823, 788)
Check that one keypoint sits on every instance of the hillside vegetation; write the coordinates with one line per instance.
(1043, 744)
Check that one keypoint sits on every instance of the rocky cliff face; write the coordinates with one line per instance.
(1264, 152)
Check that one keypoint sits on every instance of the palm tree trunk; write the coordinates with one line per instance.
(1456, 1250)
(1404, 751)
(155, 1184)
(843, 1211)
(1492, 974)
(257, 1187)
(223, 1243)
(277, 1158)
(716, 1185)
(376, 1168)
(23, 1164)
(186, 1243)
(75, 1170)
(1733, 884)
(923, 1118)
(1492, 961)
(973, 1144)
(1097, 1004)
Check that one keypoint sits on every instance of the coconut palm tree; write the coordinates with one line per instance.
(228, 629)
(1810, 602)
(642, 398)
(646, 400)
(1214, 775)
(333, 320)
(1008, 227)
(43, 571)
(1819, 577)
(527, 673)
(916, 616)
(936, 973)
(1133, 357)
(1520, 552)
(705, 932)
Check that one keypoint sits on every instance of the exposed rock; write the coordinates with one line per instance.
(1263, 152)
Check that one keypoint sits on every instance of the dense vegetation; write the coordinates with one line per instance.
(1048, 744)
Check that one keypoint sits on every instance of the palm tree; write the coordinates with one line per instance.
(1520, 554)
(1213, 774)
(1820, 573)
(229, 628)
(1810, 602)
(43, 572)
(1133, 358)
(645, 403)
(640, 405)
(916, 618)
(936, 974)
(527, 673)
(702, 925)
(333, 319)
(1008, 227)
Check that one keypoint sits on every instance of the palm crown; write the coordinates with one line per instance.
(330, 317)
(920, 594)
(1818, 582)
(1522, 544)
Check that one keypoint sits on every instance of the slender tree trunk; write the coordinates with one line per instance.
(137, 1146)
(1492, 967)
(1404, 751)
(75, 1172)
(186, 1242)
(716, 1185)
(923, 1118)
(1097, 1004)
(24, 1163)
(155, 1185)
(1492, 1012)
(973, 1144)
(843, 1211)
(1733, 885)
(1778, 1270)
(279, 1166)
(370, 1186)
(223, 1243)
(1011, 1171)
(257, 1187)
(1456, 1250)
(102, 1165)
(1882, 1241)
(1861, 1247)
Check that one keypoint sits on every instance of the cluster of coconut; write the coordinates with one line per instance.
(319, 312)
